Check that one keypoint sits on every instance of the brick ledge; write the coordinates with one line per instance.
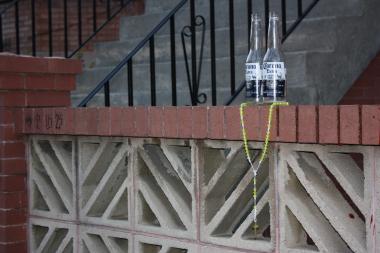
(351, 124)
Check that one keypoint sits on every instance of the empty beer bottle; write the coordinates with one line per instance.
(253, 66)
(274, 72)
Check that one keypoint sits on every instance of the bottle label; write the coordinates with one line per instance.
(274, 79)
(253, 77)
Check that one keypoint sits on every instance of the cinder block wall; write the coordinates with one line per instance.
(365, 90)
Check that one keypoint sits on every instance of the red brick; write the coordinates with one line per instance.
(48, 120)
(287, 124)
(21, 64)
(252, 122)
(7, 132)
(307, 124)
(65, 82)
(185, 120)
(141, 121)
(12, 81)
(232, 123)
(28, 120)
(86, 121)
(155, 121)
(13, 233)
(48, 98)
(370, 125)
(11, 183)
(13, 200)
(18, 121)
(104, 121)
(68, 120)
(37, 120)
(12, 216)
(13, 166)
(19, 247)
(199, 122)
(328, 124)
(128, 122)
(39, 82)
(349, 124)
(64, 66)
(216, 122)
(264, 113)
(58, 120)
(12, 149)
(115, 121)
(170, 122)
(6, 116)
(12, 99)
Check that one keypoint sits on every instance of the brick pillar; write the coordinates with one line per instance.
(24, 82)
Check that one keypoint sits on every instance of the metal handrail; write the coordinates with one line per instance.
(148, 38)
(285, 32)
(15, 4)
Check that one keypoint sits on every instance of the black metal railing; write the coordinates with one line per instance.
(193, 69)
(286, 32)
(103, 12)
(128, 60)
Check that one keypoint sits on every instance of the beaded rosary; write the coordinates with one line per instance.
(262, 155)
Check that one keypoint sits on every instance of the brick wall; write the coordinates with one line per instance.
(366, 89)
(111, 32)
(24, 82)
(345, 124)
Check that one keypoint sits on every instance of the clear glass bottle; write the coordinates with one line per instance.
(253, 65)
(274, 72)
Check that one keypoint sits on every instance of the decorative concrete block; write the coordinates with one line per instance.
(324, 194)
(52, 177)
(105, 181)
(226, 197)
(164, 193)
(51, 236)
(146, 244)
(100, 240)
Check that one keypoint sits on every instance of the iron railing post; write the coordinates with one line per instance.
(193, 53)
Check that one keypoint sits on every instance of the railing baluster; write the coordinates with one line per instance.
(17, 26)
(50, 21)
(80, 22)
(108, 9)
(130, 82)
(152, 72)
(266, 13)
(299, 8)
(1, 34)
(249, 14)
(232, 46)
(65, 35)
(283, 10)
(107, 94)
(33, 9)
(212, 45)
(94, 27)
(193, 53)
(173, 61)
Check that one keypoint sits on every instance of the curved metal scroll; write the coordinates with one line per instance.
(196, 98)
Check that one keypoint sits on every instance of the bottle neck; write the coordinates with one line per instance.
(274, 33)
(256, 43)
